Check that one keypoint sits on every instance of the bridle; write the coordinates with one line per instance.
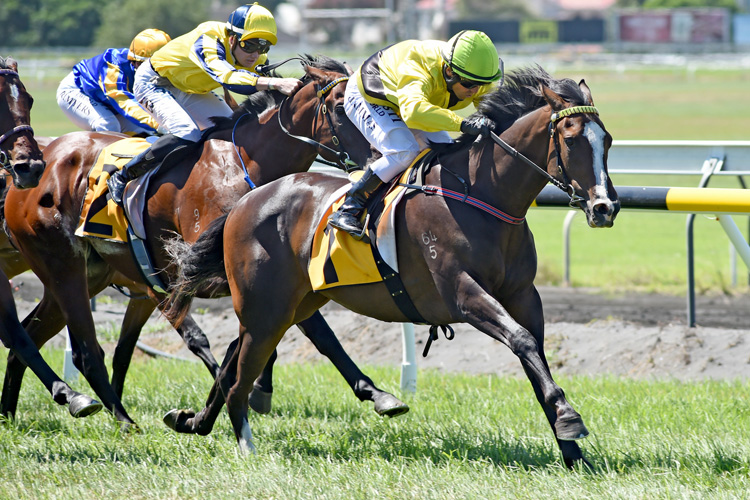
(564, 185)
(4, 156)
(344, 162)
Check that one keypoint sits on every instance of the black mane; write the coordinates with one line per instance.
(260, 101)
(520, 95)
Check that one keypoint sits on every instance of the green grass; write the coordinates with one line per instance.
(642, 251)
(466, 437)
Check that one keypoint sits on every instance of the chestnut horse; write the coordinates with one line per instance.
(21, 157)
(181, 200)
(457, 262)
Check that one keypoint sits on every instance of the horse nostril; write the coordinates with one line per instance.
(603, 208)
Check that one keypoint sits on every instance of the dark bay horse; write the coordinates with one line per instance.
(458, 263)
(262, 135)
(21, 157)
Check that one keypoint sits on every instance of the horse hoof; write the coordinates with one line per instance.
(389, 405)
(83, 406)
(571, 429)
(260, 401)
(175, 419)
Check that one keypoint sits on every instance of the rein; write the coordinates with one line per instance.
(565, 185)
(4, 157)
(344, 162)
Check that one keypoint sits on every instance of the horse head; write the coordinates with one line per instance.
(578, 157)
(325, 82)
(20, 154)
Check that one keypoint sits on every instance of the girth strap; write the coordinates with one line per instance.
(396, 288)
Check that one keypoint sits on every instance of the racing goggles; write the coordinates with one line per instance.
(470, 84)
(258, 45)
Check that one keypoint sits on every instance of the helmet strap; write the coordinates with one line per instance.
(450, 81)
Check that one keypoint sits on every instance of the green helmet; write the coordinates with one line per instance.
(472, 55)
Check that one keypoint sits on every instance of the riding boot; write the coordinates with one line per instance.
(143, 162)
(349, 216)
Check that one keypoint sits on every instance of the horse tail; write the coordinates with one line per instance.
(200, 267)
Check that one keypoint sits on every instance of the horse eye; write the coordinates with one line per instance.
(339, 109)
(569, 141)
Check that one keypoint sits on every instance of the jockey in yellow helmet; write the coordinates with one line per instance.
(98, 94)
(176, 83)
(406, 95)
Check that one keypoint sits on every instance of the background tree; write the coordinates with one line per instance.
(124, 19)
(50, 22)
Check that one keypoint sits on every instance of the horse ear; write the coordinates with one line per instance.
(12, 64)
(349, 69)
(314, 73)
(586, 91)
(556, 102)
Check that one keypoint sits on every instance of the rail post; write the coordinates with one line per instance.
(409, 363)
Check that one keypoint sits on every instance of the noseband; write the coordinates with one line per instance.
(4, 156)
(564, 185)
(344, 162)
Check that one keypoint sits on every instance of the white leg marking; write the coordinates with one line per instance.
(246, 440)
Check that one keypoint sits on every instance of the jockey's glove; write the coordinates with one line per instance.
(286, 86)
(475, 125)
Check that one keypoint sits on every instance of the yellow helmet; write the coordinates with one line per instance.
(252, 21)
(146, 43)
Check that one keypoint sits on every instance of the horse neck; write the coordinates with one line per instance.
(270, 153)
(503, 181)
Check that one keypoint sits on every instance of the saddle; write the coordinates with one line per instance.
(337, 259)
(102, 218)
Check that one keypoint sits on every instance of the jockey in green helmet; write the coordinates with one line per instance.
(406, 95)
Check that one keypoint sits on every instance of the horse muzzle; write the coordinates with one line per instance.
(27, 173)
(601, 211)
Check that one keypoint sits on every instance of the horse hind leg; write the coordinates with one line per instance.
(262, 394)
(254, 352)
(197, 342)
(190, 422)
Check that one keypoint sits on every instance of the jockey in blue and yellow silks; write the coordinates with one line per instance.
(175, 86)
(98, 94)
(405, 96)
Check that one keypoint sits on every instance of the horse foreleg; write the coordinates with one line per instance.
(317, 330)
(570, 424)
(38, 332)
(24, 349)
(137, 313)
(87, 353)
(489, 316)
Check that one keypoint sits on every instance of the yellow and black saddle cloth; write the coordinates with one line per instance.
(337, 259)
(100, 216)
